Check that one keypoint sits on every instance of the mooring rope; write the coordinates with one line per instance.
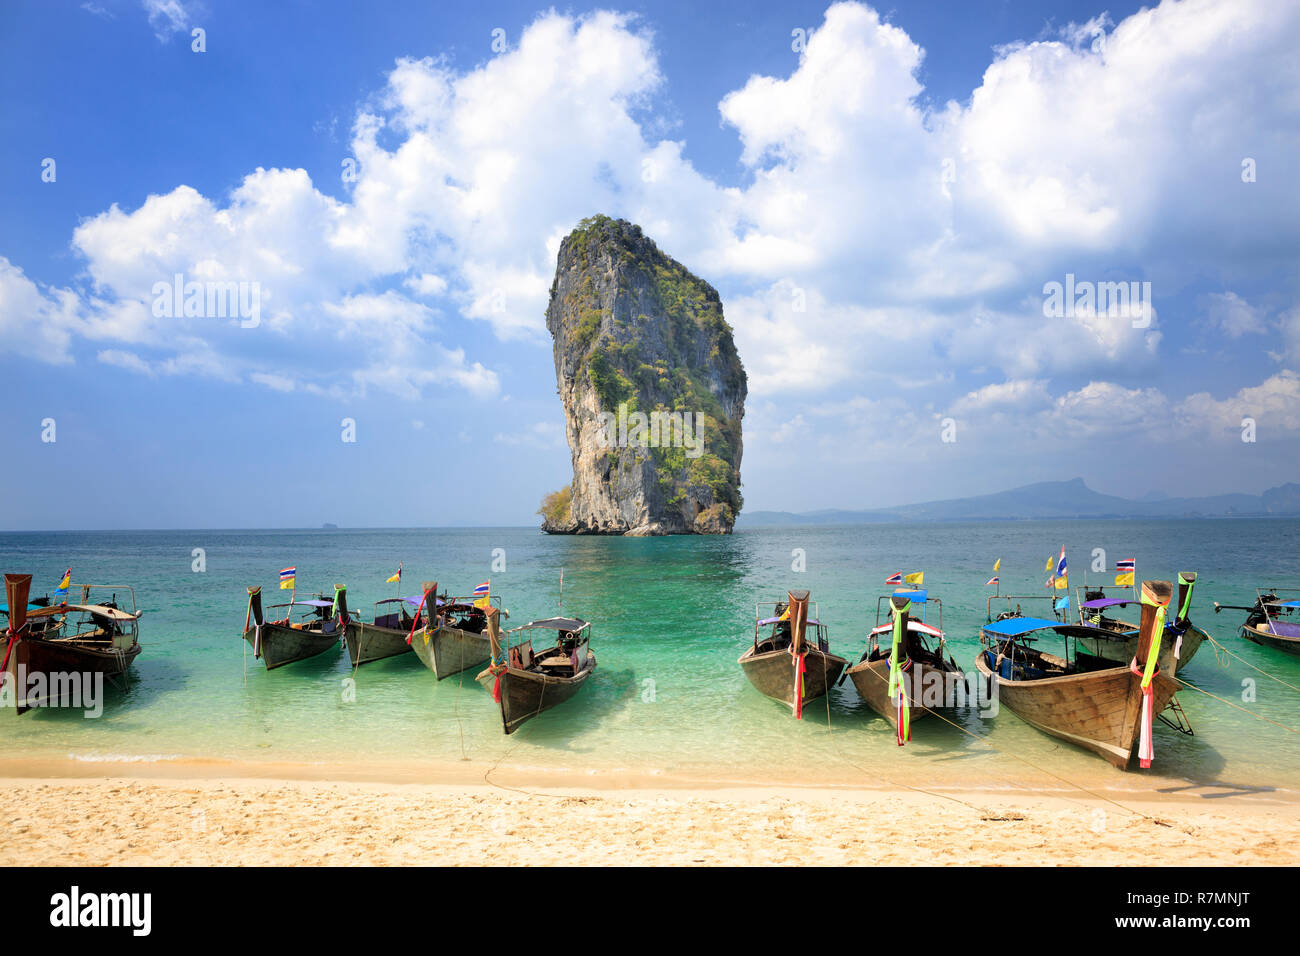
(1268, 720)
(1220, 647)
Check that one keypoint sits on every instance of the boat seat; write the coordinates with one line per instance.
(1052, 660)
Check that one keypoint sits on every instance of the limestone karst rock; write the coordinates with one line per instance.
(652, 388)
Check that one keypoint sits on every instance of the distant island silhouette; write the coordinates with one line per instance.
(1048, 499)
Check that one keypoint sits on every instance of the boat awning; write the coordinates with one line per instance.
(306, 604)
(912, 625)
(812, 621)
(557, 624)
(100, 610)
(1284, 603)
(1098, 603)
(1015, 626)
(917, 596)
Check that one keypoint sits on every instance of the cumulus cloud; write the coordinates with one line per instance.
(1274, 405)
(870, 239)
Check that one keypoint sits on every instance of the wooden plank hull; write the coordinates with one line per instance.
(284, 645)
(1099, 711)
(1122, 648)
(871, 678)
(772, 673)
(526, 693)
(53, 657)
(450, 650)
(370, 642)
(1268, 639)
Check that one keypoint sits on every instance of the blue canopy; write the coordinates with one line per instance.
(917, 596)
(1015, 626)
(1284, 603)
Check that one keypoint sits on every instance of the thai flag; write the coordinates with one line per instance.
(895, 578)
(481, 590)
(1060, 564)
(1128, 566)
(991, 581)
(288, 574)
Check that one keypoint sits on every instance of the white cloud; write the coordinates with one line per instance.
(1232, 315)
(547, 434)
(168, 17)
(1274, 405)
(426, 284)
(127, 360)
(1018, 394)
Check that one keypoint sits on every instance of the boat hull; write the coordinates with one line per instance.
(284, 645)
(772, 673)
(525, 693)
(450, 650)
(1099, 711)
(54, 657)
(1122, 648)
(370, 642)
(871, 678)
(1265, 638)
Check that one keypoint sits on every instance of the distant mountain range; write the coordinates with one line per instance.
(1047, 499)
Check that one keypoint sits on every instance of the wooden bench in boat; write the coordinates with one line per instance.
(1054, 662)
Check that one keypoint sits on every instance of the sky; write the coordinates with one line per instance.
(883, 197)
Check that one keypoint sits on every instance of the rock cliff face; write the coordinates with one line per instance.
(652, 387)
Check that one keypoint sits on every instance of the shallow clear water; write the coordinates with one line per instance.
(670, 616)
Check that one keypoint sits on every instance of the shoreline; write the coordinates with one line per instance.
(497, 774)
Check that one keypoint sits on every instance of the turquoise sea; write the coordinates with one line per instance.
(670, 617)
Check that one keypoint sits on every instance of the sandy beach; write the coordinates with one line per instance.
(153, 818)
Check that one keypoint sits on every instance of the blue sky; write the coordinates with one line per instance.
(913, 175)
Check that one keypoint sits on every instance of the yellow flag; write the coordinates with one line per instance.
(997, 565)
(1063, 583)
(395, 577)
(1124, 580)
(917, 578)
(1051, 563)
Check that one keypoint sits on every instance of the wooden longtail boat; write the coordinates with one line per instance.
(283, 641)
(525, 681)
(457, 639)
(47, 646)
(1272, 622)
(784, 659)
(388, 633)
(1118, 642)
(925, 677)
(1079, 698)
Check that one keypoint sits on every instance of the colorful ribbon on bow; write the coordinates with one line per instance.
(799, 668)
(416, 620)
(1146, 743)
(897, 693)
